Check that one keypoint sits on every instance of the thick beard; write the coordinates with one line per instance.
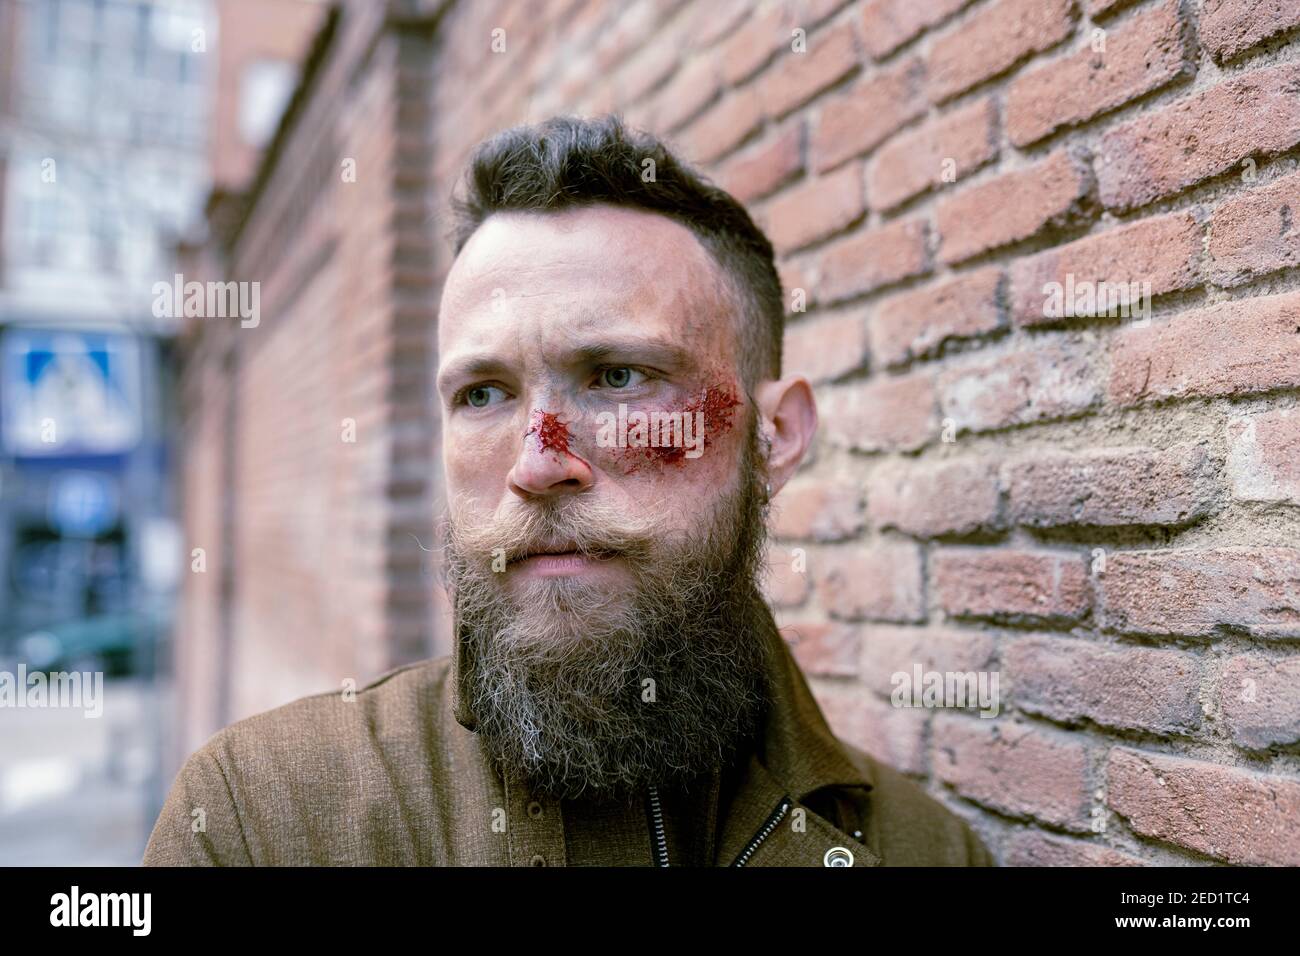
(580, 692)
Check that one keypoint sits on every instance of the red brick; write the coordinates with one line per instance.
(796, 78)
(883, 414)
(1264, 457)
(916, 324)
(1255, 233)
(786, 581)
(1257, 700)
(826, 348)
(796, 276)
(713, 21)
(1162, 152)
(723, 126)
(1035, 848)
(1232, 815)
(694, 86)
(1016, 770)
(755, 43)
(949, 498)
(888, 24)
(1163, 251)
(815, 209)
(767, 167)
(818, 508)
(648, 69)
(891, 735)
(1099, 8)
(874, 258)
(879, 582)
(1130, 688)
(1016, 389)
(888, 650)
(1111, 487)
(1020, 586)
(1012, 207)
(858, 120)
(823, 648)
(1146, 53)
(993, 39)
(1202, 593)
(915, 161)
(1233, 348)
(1230, 27)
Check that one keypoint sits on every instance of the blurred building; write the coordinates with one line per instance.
(104, 115)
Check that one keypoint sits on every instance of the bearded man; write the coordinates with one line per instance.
(614, 426)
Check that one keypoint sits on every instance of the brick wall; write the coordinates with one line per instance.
(1104, 511)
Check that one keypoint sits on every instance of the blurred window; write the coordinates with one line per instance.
(265, 88)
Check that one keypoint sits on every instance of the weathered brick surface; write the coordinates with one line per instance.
(1015, 769)
(1141, 56)
(1235, 348)
(1017, 388)
(985, 477)
(883, 415)
(1112, 487)
(817, 509)
(1230, 27)
(1200, 136)
(1255, 233)
(1130, 688)
(1200, 593)
(1159, 254)
(1232, 815)
(913, 324)
(945, 150)
(1012, 207)
(861, 117)
(1264, 457)
(996, 36)
(945, 499)
(1257, 702)
(1020, 586)
(880, 584)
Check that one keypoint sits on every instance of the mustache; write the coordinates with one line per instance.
(590, 526)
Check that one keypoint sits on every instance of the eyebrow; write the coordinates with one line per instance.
(652, 350)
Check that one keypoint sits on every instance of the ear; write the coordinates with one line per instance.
(788, 420)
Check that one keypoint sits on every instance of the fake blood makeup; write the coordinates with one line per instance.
(706, 416)
(552, 434)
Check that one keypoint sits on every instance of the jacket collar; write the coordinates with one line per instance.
(798, 748)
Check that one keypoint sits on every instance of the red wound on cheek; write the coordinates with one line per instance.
(715, 403)
(552, 434)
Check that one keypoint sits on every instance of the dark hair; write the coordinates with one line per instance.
(567, 161)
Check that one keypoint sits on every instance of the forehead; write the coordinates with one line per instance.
(528, 279)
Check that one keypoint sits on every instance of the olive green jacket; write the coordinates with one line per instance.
(394, 775)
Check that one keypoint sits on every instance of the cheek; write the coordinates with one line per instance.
(476, 458)
(693, 439)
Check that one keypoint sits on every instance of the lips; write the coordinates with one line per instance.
(565, 550)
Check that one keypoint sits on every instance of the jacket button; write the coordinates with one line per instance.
(534, 809)
(539, 860)
(837, 856)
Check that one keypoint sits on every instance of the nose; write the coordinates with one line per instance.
(546, 463)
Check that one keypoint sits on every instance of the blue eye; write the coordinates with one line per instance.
(478, 396)
(619, 376)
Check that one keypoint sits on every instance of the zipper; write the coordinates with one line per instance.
(773, 818)
(658, 839)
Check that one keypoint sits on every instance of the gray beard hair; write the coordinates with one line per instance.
(577, 691)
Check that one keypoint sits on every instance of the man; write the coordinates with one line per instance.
(614, 426)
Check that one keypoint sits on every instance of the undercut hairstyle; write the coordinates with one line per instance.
(565, 162)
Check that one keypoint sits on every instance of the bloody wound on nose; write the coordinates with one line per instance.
(552, 434)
